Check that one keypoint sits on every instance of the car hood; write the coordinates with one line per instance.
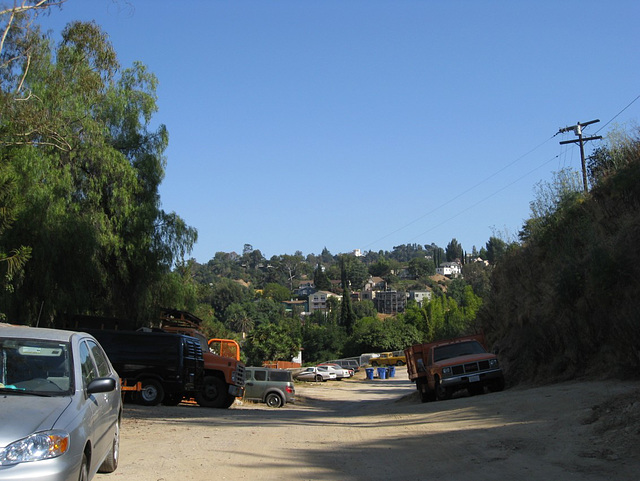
(464, 359)
(22, 415)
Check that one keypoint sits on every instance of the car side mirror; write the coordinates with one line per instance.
(104, 384)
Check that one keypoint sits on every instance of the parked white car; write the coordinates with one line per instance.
(315, 374)
(341, 372)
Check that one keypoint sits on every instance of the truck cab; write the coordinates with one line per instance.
(441, 368)
(224, 377)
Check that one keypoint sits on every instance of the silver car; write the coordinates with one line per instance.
(314, 374)
(60, 406)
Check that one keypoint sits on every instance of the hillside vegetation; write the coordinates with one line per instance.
(565, 302)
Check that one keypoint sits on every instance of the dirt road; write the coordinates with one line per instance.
(378, 430)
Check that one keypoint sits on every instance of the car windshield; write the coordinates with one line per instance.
(459, 349)
(31, 366)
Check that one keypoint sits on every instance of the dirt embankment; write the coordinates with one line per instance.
(378, 430)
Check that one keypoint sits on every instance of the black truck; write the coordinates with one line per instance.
(168, 366)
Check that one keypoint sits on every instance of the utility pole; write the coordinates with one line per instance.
(577, 129)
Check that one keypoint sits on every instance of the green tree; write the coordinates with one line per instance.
(347, 316)
(275, 341)
(454, 251)
(380, 268)
(478, 276)
(322, 342)
(375, 335)
(277, 292)
(89, 169)
(355, 273)
(365, 308)
(421, 267)
(320, 279)
(496, 248)
(226, 292)
(239, 318)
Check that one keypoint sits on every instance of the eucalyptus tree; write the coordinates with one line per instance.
(75, 129)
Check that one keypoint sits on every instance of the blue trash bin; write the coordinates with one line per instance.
(392, 371)
(382, 372)
(369, 371)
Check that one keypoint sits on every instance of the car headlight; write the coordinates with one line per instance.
(446, 371)
(493, 363)
(38, 446)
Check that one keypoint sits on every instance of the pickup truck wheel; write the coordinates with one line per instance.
(399, 363)
(497, 385)
(152, 392)
(273, 400)
(214, 393)
(442, 393)
(374, 363)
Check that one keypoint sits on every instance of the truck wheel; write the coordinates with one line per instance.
(273, 400)
(374, 363)
(399, 363)
(426, 394)
(497, 385)
(230, 400)
(442, 393)
(213, 394)
(152, 392)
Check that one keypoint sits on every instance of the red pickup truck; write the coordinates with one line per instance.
(441, 368)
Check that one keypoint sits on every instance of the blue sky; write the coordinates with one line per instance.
(299, 125)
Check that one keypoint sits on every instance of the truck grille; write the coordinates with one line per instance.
(470, 367)
(193, 350)
(239, 374)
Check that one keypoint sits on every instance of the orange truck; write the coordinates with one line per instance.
(224, 373)
(443, 367)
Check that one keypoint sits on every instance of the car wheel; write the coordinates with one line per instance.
(152, 393)
(214, 394)
(84, 469)
(319, 378)
(273, 400)
(110, 463)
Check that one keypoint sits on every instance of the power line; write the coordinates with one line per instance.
(487, 179)
(487, 197)
(444, 204)
(616, 115)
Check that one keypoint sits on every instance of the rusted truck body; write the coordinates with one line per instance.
(443, 367)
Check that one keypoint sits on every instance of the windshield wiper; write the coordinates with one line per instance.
(17, 390)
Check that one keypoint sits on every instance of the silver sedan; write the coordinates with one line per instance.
(314, 374)
(60, 406)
